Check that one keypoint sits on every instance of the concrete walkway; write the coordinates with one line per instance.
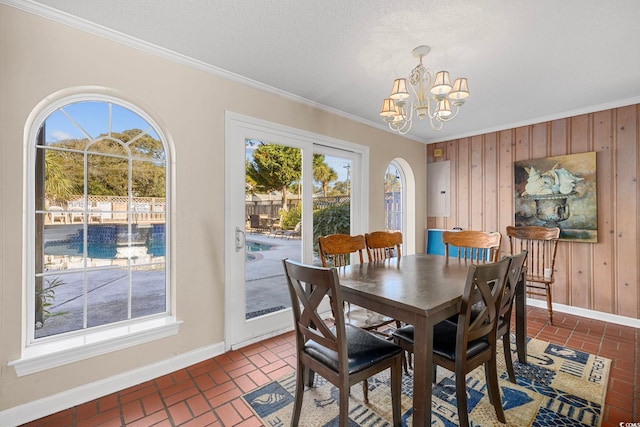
(266, 286)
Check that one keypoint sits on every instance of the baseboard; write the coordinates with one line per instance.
(40, 408)
(50, 405)
(591, 314)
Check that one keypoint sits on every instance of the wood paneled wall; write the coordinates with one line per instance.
(603, 276)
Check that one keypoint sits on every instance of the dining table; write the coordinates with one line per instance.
(420, 290)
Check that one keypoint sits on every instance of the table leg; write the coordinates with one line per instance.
(422, 372)
(521, 320)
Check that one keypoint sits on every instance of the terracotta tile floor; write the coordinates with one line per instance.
(208, 394)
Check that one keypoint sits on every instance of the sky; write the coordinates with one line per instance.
(93, 118)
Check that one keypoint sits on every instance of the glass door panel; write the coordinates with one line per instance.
(331, 196)
(273, 210)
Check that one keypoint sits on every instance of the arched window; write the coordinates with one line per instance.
(99, 225)
(394, 198)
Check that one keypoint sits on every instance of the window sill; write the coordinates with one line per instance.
(43, 356)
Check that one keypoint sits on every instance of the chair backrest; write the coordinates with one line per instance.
(308, 285)
(383, 244)
(476, 246)
(336, 249)
(541, 243)
(483, 291)
(254, 220)
(515, 272)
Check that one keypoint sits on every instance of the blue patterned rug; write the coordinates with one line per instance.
(558, 387)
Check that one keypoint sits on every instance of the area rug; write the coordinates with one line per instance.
(558, 386)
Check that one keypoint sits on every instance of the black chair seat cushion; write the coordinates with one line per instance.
(364, 350)
(404, 333)
(444, 340)
(475, 310)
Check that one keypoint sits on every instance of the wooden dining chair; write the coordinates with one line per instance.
(343, 354)
(541, 243)
(383, 244)
(463, 346)
(335, 251)
(503, 330)
(474, 246)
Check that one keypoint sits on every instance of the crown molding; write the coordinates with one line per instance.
(127, 40)
(536, 120)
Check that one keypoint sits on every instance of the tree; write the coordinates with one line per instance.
(57, 185)
(107, 165)
(278, 167)
(274, 167)
(324, 174)
(340, 188)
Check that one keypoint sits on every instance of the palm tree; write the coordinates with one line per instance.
(57, 184)
(324, 174)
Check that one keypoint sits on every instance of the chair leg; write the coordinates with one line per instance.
(461, 398)
(494, 389)
(549, 308)
(396, 387)
(297, 404)
(310, 377)
(343, 415)
(365, 390)
(405, 355)
(487, 374)
(508, 361)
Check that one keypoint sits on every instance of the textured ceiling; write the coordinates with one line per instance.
(526, 61)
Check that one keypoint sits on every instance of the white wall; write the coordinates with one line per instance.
(40, 57)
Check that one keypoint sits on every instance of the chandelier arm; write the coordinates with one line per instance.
(407, 112)
(438, 123)
(406, 127)
(452, 116)
(432, 110)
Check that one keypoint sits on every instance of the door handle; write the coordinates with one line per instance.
(240, 239)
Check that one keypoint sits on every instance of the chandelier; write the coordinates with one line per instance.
(433, 97)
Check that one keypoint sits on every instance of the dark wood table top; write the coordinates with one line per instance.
(414, 285)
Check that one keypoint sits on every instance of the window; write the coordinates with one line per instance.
(394, 196)
(99, 224)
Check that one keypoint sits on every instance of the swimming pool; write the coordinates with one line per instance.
(252, 247)
(104, 241)
(256, 246)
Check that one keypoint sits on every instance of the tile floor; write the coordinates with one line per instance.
(208, 393)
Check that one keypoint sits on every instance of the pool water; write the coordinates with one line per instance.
(256, 247)
(103, 241)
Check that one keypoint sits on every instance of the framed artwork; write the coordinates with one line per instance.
(558, 192)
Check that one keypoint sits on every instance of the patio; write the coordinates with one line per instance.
(266, 289)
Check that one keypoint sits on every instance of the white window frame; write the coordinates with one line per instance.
(45, 353)
(403, 195)
(408, 208)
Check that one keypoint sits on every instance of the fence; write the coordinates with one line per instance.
(107, 209)
(272, 208)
